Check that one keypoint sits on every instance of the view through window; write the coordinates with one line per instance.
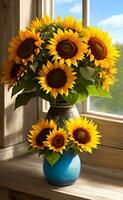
(108, 15)
(64, 8)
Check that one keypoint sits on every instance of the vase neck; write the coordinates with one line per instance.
(61, 105)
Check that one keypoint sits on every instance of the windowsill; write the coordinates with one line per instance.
(13, 151)
(105, 117)
(24, 174)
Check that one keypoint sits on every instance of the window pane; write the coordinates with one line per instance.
(67, 8)
(108, 15)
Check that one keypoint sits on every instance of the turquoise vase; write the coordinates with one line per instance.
(65, 171)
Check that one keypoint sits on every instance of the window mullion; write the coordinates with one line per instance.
(85, 20)
(45, 7)
(86, 12)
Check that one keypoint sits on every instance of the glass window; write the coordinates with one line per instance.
(64, 8)
(108, 15)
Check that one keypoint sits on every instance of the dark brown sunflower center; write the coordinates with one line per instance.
(56, 78)
(66, 49)
(26, 48)
(15, 70)
(81, 136)
(58, 141)
(98, 48)
(41, 137)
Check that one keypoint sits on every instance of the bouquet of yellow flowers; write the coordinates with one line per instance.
(78, 135)
(59, 61)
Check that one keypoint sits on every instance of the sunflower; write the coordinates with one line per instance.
(108, 77)
(56, 78)
(83, 133)
(107, 82)
(39, 133)
(12, 72)
(100, 47)
(67, 46)
(25, 47)
(57, 140)
(70, 23)
(36, 24)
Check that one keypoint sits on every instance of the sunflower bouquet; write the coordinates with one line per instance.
(78, 135)
(59, 60)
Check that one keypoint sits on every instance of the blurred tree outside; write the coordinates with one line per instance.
(114, 105)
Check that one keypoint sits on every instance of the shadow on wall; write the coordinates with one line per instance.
(14, 124)
(18, 122)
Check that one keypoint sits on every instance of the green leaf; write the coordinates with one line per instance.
(41, 93)
(76, 150)
(29, 84)
(82, 97)
(71, 98)
(22, 99)
(52, 157)
(26, 83)
(17, 88)
(97, 91)
(81, 91)
(45, 96)
(87, 73)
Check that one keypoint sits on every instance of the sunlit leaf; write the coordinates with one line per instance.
(97, 91)
(52, 157)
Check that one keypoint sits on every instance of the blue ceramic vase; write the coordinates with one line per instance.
(65, 171)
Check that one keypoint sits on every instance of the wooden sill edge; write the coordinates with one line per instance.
(13, 151)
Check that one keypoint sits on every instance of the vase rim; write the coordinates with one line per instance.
(64, 104)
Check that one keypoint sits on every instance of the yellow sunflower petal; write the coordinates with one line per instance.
(100, 47)
(57, 140)
(67, 46)
(83, 133)
(56, 78)
(36, 24)
(24, 46)
(70, 23)
(39, 133)
(12, 72)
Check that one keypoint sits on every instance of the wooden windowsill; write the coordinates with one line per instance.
(24, 174)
